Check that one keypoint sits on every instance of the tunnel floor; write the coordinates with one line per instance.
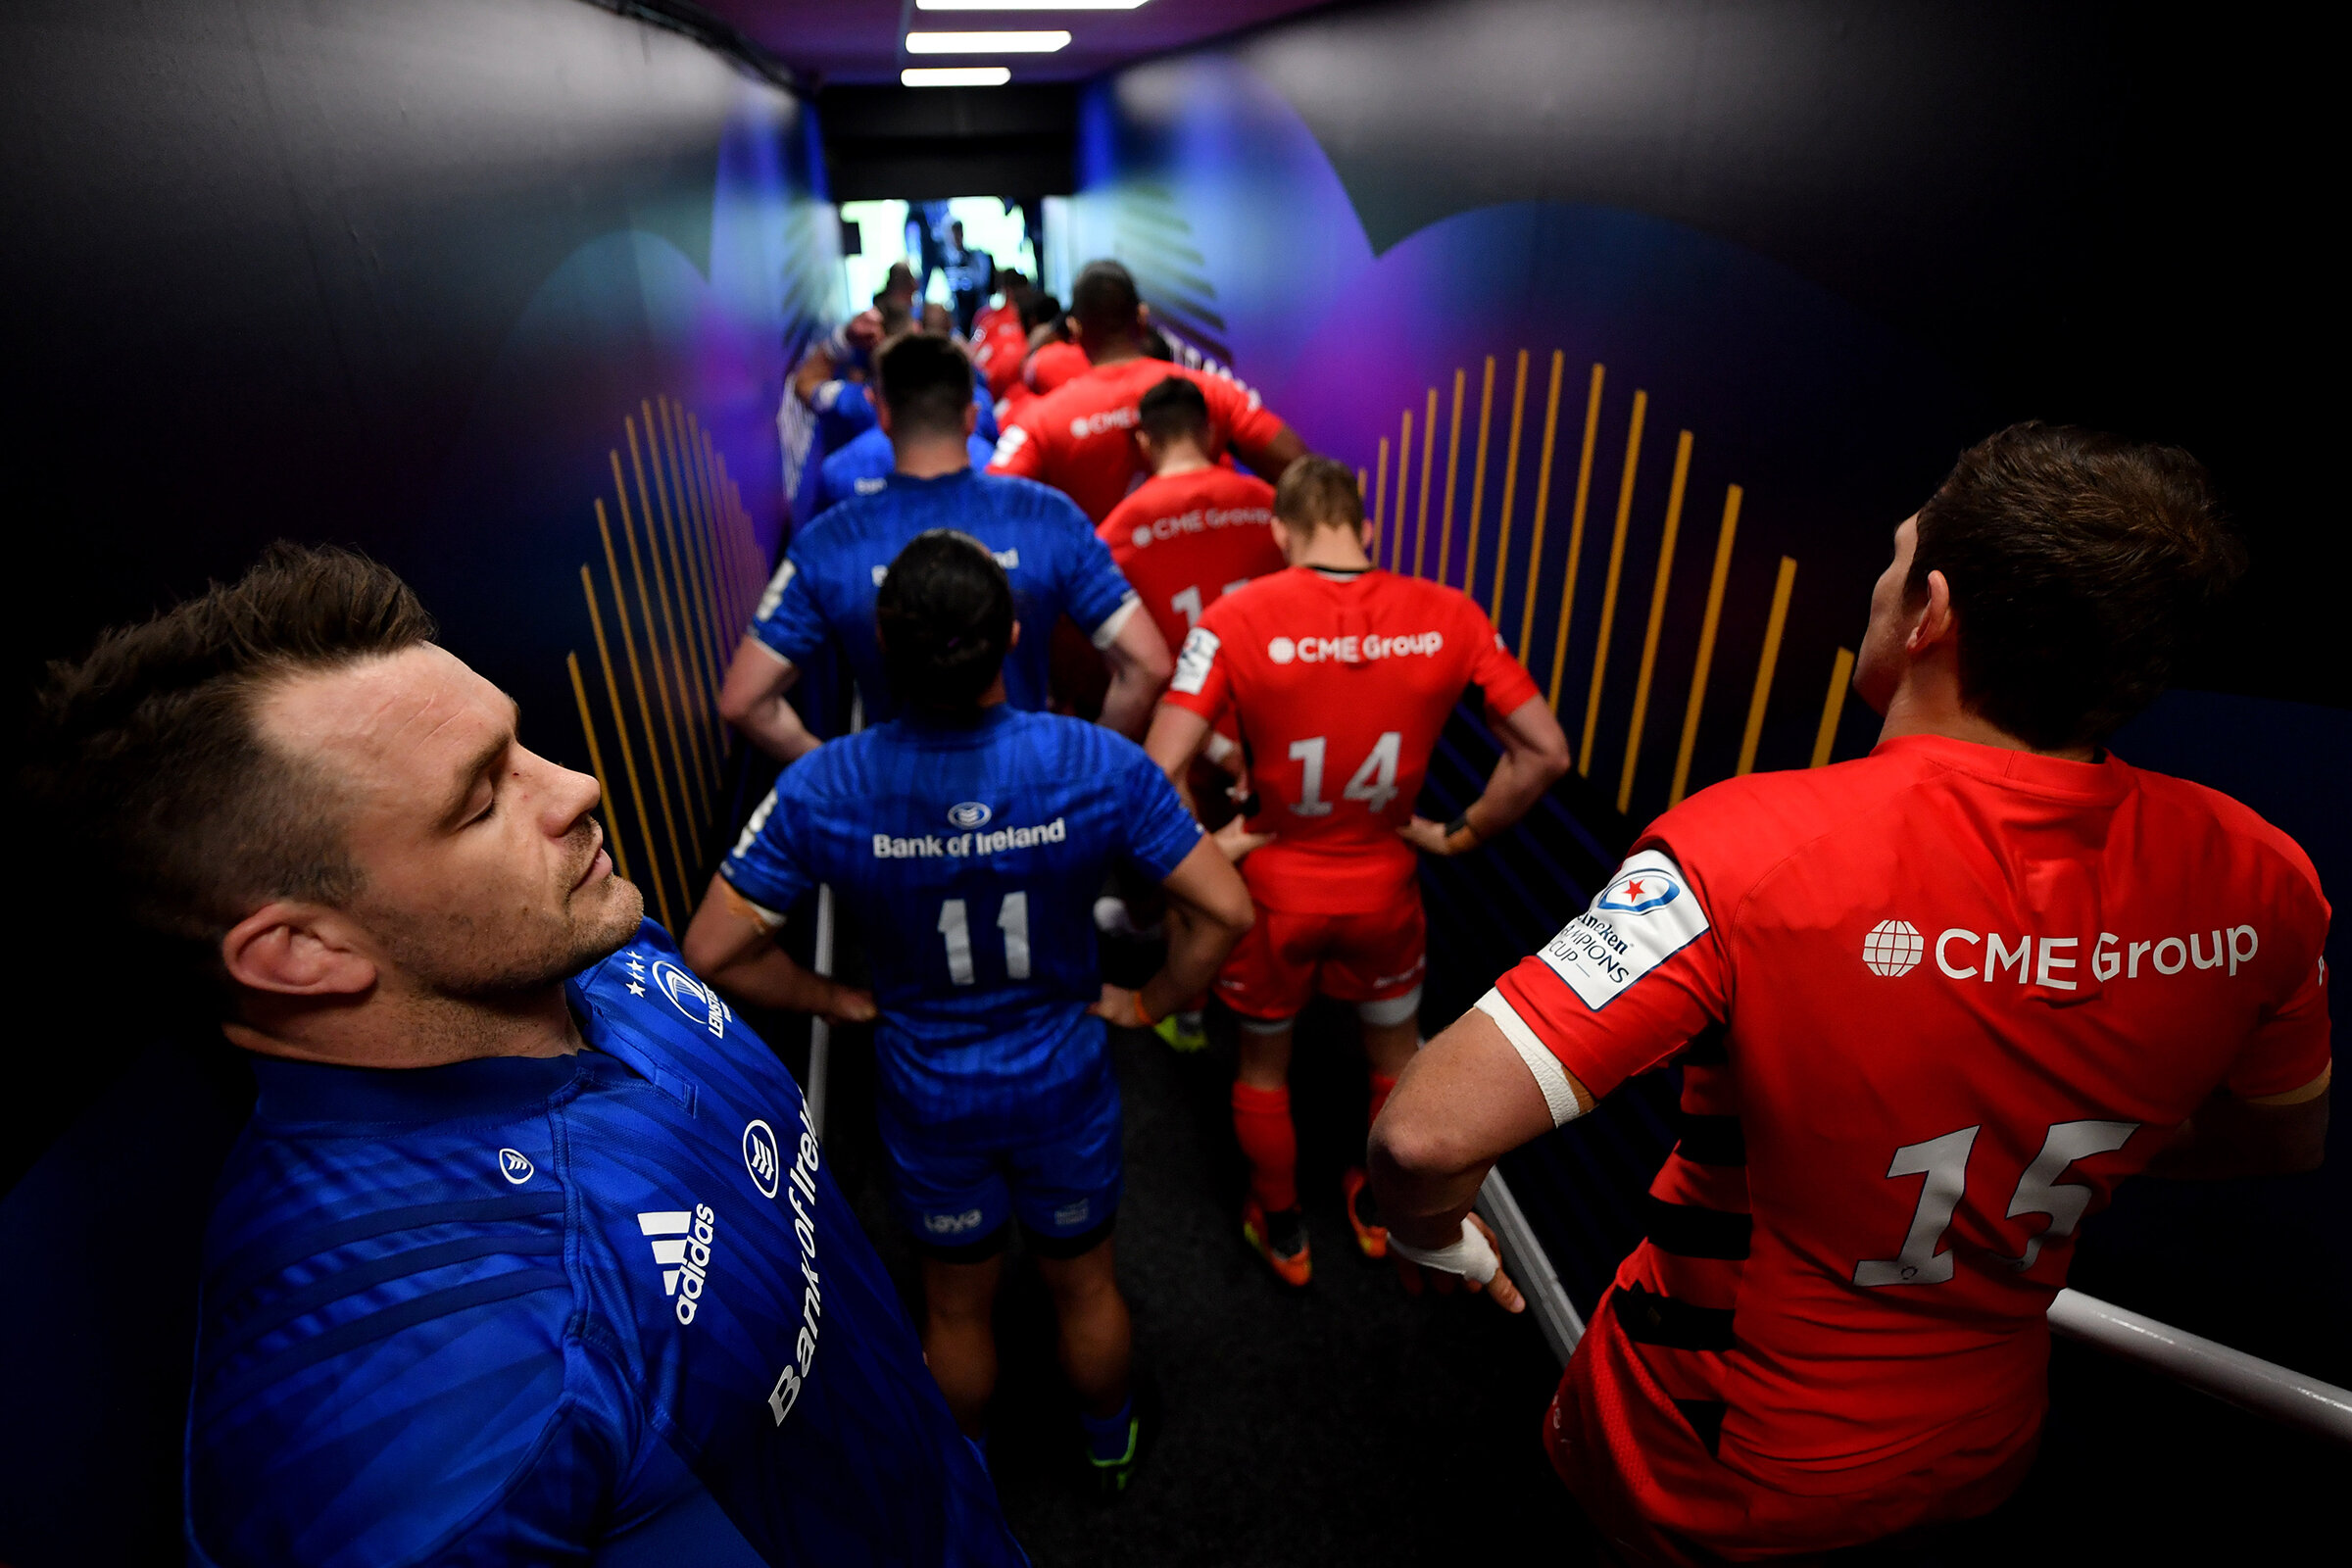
(1345, 1423)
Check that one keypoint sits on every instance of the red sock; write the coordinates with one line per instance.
(1261, 1121)
(1381, 1084)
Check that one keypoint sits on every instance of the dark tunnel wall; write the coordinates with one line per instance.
(416, 276)
(1819, 247)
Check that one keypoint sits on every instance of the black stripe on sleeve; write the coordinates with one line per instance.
(1688, 1231)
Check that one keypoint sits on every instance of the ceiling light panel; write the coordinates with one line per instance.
(954, 76)
(987, 43)
(1026, 5)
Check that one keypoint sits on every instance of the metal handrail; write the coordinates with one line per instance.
(2206, 1365)
(2246, 1381)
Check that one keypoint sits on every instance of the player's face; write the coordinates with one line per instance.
(1878, 669)
(484, 872)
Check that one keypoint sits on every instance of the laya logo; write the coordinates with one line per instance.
(951, 1224)
(515, 1166)
(1639, 893)
(968, 813)
(1074, 1213)
(681, 1241)
(759, 1156)
(1641, 920)
(691, 996)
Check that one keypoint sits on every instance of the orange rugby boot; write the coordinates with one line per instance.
(1280, 1238)
(1363, 1213)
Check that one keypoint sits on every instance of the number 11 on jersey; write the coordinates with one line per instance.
(1012, 919)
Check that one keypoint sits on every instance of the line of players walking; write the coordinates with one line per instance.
(975, 834)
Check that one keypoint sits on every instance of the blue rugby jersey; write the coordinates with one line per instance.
(824, 591)
(973, 855)
(505, 1310)
(860, 468)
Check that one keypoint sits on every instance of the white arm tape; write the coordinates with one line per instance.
(1217, 747)
(1472, 1256)
(1116, 621)
(1550, 1077)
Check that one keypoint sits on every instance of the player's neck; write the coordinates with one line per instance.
(389, 1029)
(930, 455)
(1117, 350)
(1180, 458)
(1928, 703)
(1334, 549)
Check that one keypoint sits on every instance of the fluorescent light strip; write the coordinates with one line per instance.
(987, 43)
(955, 76)
(1026, 5)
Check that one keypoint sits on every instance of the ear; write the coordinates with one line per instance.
(1016, 637)
(1937, 622)
(881, 411)
(972, 419)
(293, 949)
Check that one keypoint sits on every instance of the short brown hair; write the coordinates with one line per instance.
(1318, 492)
(2079, 566)
(147, 753)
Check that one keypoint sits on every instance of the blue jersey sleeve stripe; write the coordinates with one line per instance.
(345, 1282)
(274, 1253)
(377, 1326)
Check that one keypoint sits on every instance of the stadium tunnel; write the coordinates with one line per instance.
(1644, 321)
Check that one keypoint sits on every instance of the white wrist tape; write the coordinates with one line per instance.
(1471, 1256)
(1217, 747)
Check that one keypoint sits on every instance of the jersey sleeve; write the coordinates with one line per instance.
(2290, 1047)
(1095, 591)
(1237, 412)
(1503, 680)
(1019, 451)
(1160, 832)
(1203, 680)
(769, 866)
(789, 621)
(1622, 987)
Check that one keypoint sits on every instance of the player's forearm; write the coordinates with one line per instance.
(1513, 790)
(774, 727)
(1198, 946)
(770, 978)
(1127, 706)
(1421, 1206)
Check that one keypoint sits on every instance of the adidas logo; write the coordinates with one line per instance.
(682, 1250)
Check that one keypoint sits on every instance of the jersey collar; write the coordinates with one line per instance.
(316, 1092)
(938, 481)
(2106, 780)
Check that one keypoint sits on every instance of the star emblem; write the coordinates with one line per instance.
(1634, 887)
(636, 990)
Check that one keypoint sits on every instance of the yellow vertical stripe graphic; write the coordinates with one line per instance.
(693, 618)
(1706, 646)
(729, 520)
(596, 759)
(1608, 584)
(670, 722)
(1380, 494)
(693, 702)
(716, 667)
(1510, 488)
(1657, 616)
(1429, 437)
(645, 708)
(1453, 452)
(1841, 675)
(628, 758)
(1478, 479)
(1405, 486)
(1773, 625)
(1535, 540)
(1575, 537)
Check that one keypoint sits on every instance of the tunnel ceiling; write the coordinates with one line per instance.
(857, 40)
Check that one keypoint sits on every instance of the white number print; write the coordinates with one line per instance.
(1188, 605)
(1944, 1162)
(1012, 919)
(1311, 800)
(1374, 781)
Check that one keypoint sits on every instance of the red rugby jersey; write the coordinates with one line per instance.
(1053, 365)
(1341, 685)
(1933, 1004)
(1183, 541)
(1080, 438)
(999, 345)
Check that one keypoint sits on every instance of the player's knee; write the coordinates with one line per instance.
(1391, 1011)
